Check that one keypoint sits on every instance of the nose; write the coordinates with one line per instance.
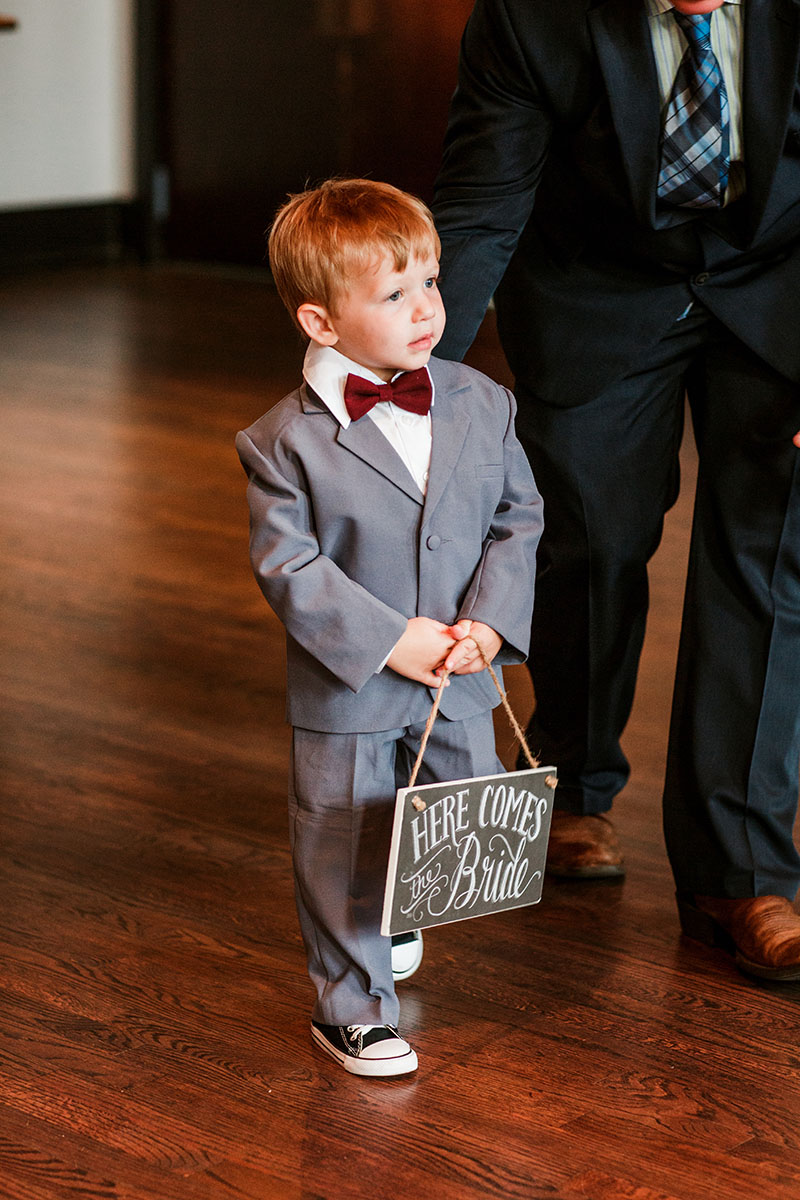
(424, 309)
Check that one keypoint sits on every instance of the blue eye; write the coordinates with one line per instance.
(394, 296)
(431, 283)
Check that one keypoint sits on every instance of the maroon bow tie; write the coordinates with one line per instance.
(411, 391)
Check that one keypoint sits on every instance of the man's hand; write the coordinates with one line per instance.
(796, 439)
(465, 658)
(422, 648)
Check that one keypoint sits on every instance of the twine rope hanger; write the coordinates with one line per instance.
(534, 762)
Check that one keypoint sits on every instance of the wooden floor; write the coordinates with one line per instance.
(153, 998)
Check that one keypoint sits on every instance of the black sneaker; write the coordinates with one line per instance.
(375, 1050)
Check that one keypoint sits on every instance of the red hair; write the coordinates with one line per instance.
(325, 237)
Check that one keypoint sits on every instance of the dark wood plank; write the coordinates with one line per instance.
(153, 997)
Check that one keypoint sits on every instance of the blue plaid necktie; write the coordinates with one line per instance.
(695, 150)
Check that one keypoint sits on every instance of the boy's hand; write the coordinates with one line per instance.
(422, 648)
(465, 658)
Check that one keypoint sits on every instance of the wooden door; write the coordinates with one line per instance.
(257, 98)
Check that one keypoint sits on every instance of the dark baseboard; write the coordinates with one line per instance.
(71, 234)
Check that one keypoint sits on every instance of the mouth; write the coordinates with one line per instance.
(423, 343)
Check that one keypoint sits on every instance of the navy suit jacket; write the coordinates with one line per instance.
(548, 184)
(346, 548)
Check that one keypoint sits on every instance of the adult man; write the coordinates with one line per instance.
(626, 176)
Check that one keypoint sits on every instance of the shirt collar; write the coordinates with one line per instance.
(325, 370)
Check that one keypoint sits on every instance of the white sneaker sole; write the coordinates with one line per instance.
(408, 968)
(374, 1068)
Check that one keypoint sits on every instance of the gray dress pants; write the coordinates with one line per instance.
(341, 807)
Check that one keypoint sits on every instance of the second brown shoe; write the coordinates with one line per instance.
(761, 932)
(583, 847)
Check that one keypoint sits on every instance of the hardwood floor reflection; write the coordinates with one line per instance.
(153, 1000)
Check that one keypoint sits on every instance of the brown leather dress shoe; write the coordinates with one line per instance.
(762, 933)
(583, 847)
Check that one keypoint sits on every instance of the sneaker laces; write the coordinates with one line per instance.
(360, 1030)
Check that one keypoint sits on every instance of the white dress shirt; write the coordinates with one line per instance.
(326, 370)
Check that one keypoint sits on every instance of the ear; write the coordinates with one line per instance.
(316, 322)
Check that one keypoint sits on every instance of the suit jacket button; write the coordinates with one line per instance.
(434, 542)
(702, 278)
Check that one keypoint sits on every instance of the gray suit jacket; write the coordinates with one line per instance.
(346, 548)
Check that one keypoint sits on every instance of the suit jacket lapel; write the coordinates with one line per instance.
(450, 427)
(365, 440)
(624, 51)
(771, 46)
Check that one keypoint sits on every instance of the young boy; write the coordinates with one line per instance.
(394, 525)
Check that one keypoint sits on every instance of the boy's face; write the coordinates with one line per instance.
(389, 320)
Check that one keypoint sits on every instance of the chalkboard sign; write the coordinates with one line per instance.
(467, 848)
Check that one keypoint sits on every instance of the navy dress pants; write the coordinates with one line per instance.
(608, 472)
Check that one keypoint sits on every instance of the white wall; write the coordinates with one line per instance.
(67, 103)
